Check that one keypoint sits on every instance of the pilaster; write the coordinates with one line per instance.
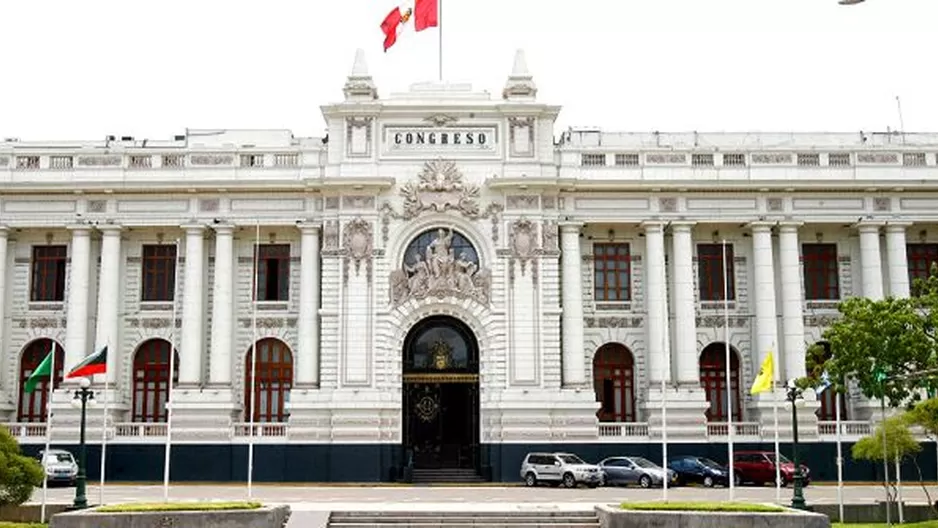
(792, 302)
(109, 290)
(897, 259)
(307, 374)
(574, 372)
(220, 373)
(193, 307)
(685, 331)
(656, 307)
(79, 277)
(871, 260)
(7, 395)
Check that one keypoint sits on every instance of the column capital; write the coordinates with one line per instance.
(312, 228)
(79, 229)
(111, 229)
(789, 226)
(653, 226)
(4, 230)
(223, 229)
(569, 226)
(866, 226)
(897, 226)
(761, 226)
(683, 226)
(192, 229)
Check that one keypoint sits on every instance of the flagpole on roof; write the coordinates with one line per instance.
(840, 456)
(440, 35)
(253, 367)
(729, 379)
(778, 467)
(45, 478)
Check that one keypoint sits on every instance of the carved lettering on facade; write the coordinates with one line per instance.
(440, 187)
(357, 243)
(440, 273)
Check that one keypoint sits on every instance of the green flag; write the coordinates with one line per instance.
(43, 370)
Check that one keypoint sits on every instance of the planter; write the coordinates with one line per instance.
(614, 517)
(266, 517)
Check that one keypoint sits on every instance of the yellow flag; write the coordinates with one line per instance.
(763, 381)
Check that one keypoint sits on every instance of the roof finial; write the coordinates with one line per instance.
(520, 85)
(359, 86)
(520, 68)
(360, 66)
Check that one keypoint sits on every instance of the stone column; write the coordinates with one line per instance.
(792, 301)
(109, 300)
(764, 278)
(79, 275)
(222, 306)
(193, 307)
(307, 360)
(7, 385)
(871, 260)
(898, 259)
(574, 373)
(656, 304)
(685, 313)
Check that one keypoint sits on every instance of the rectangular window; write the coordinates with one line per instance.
(273, 272)
(710, 272)
(702, 160)
(159, 273)
(821, 274)
(734, 160)
(612, 272)
(913, 159)
(252, 160)
(809, 160)
(593, 160)
(48, 279)
(626, 160)
(838, 159)
(921, 257)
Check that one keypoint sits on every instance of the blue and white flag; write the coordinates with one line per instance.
(825, 383)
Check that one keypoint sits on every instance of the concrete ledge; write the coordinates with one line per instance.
(876, 512)
(266, 517)
(614, 517)
(30, 513)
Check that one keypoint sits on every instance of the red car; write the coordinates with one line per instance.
(758, 467)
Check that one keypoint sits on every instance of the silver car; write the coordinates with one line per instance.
(635, 470)
(59, 466)
(559, 468)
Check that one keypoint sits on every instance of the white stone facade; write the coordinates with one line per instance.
(532, 207)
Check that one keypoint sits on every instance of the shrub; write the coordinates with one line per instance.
(19, 474)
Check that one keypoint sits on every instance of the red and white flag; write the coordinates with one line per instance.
(424, 13)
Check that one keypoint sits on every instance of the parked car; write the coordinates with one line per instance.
(60, 466)
(559, 468)
(635, 470)
(699, 470)
(758, 467)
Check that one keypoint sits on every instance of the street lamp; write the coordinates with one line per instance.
(793, 394)
(83, 397)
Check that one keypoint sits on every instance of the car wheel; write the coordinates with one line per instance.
(530, 480)
(645, 481)
(708, 482)
(737, 479)
(569, 481)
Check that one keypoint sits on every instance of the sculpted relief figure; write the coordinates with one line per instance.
(439, 273)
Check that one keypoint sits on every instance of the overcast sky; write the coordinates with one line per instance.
(83, 69)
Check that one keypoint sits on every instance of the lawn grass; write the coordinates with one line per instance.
(702, 507)
(177, 507)
(923, 524)
(21, 525)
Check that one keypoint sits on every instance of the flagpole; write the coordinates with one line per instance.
(45, 453)
(729, 380)
(257, 248)
(665, 370)
(439, 14)
(104, 432)
(840, 456)
(778, 466)
(169, 381)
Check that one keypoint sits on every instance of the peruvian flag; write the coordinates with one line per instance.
(94, 364)
(425, 14)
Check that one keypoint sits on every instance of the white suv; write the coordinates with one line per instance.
(559, 468)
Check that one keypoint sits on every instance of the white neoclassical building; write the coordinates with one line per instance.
(442, 282)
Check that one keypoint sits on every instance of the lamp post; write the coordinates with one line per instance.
(793, 393)
(83, 396)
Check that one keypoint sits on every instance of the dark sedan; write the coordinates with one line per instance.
(699, 470)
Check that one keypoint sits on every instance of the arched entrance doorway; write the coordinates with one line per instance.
(441, 395)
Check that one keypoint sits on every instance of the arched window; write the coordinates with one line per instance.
(713, 381)
(459, 244)
(614, 383)
(274, 368)
(151, 380)
(32, 406)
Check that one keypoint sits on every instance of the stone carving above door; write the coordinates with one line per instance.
(440, 273)
(440, 187)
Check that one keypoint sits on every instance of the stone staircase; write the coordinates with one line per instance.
(446, 476)
(467, 519)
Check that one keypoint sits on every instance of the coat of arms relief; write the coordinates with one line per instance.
(439, 271)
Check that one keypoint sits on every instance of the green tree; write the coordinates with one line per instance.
(901, 445)
(19, 474)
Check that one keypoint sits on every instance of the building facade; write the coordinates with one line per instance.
(439, 282)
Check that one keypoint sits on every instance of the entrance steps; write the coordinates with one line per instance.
(458, 519)
(446, 476)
